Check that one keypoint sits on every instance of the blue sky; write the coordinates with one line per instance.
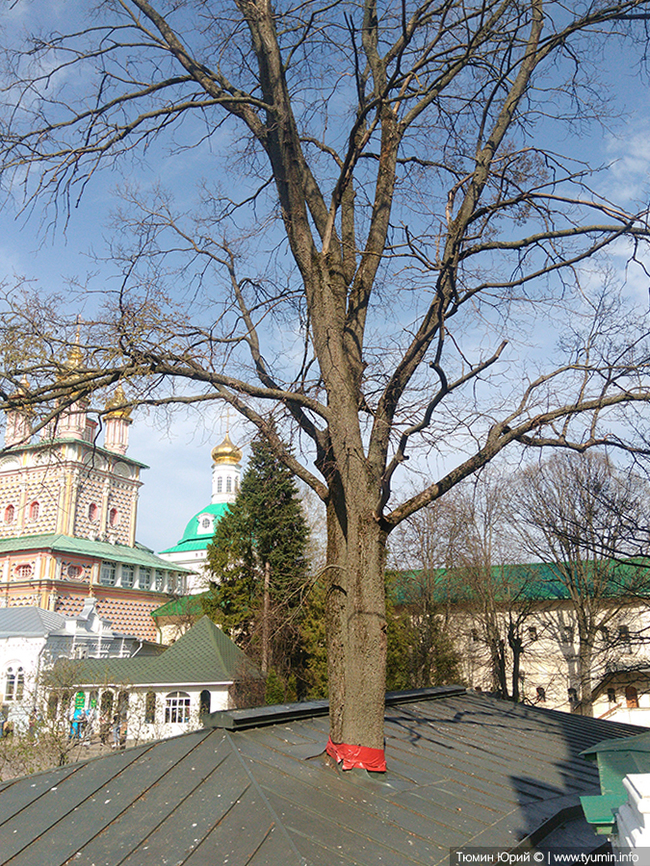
(178, 449)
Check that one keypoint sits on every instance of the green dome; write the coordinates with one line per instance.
(200, 529)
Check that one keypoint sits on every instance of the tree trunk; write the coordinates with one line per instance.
(265, 619)
(356, 619)
(584, 672)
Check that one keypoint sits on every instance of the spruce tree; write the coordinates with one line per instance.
(259, 570)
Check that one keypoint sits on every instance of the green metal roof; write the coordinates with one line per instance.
(90, 446)
(184, 605)
(204, 654)
(194, 537)
(537, 581)
(463, 770)
(85, 547)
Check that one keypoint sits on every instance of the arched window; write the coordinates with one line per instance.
(150, 708)
(177, 707)
(573, 696)
(34, 510)
(204, 701)
(113, 517)
(10, 514)
(229, 484)
(52, 706)
(10, 684)
(93, 512)
(541, 694)
(219, 484)
(106, 705)
(24, 571)
(631, 698)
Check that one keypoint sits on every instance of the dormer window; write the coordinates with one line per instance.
(205, 523)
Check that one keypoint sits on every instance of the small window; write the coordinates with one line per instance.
(159, 580)
(128, 576)
(150, 708)
(93, 512)
(177, 707)
(52, 706)
(107, 574)
(541, 694)
(204, 701)
(219, 484)
(631, 698)
(206, 524)
(145, 578)
(229, 484)
(24, 571)
(113, 517)
(573, 696)
(532, 635)
(74, 572)
(611, 696)
(10, 514)
(34, 510)
(106, 705)
(14, 683)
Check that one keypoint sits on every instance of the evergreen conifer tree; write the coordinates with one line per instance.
(259, 569)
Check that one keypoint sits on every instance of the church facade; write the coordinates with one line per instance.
(68, 511)
(191, 550)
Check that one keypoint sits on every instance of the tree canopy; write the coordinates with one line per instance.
(388, 230)
(258, 566)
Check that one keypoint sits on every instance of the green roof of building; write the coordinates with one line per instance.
(184, 605)
(463, 770)
(534, 581)
(195, 537)
(204, 654)
(75, 440)
(137, 555)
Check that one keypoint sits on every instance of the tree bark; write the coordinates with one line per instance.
(356, 617)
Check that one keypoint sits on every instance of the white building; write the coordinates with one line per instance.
(32, 639)
(167, 694)
(191, 551)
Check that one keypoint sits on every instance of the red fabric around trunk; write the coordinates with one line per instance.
(357, 757)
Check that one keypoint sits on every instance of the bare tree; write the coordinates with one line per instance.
(575, 514)
(384, 163)
(463, 547)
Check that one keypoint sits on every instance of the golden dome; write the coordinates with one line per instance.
(73, 364)
(226, 452)
(115, 407)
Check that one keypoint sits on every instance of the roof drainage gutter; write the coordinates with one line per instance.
(255, 717)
